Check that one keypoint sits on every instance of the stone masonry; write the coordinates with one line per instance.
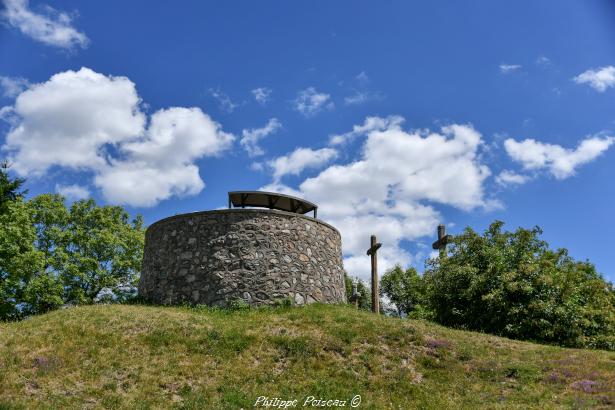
(216, 257)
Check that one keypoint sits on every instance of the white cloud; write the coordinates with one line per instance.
(142, 184)
(251, 137)
(178, 135)
(414, 166)
(69, 119)
(358, 98)
(13, 86)
(309, 102)
(599, 79)
(509, 68)
(7, 114)
(361, 95)
(560, 162)
(277, 186)
(391, 189)
(53, 29)
(161, 163)
(225, 103)
(370, 124)
(88, 121)
(262, 95)
(299, 160)
(73, 192)
(508, 177)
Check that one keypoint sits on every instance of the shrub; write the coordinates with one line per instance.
(512, 284)
(405, 289)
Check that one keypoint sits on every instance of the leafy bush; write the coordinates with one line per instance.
(512, 284)
(238, 304)
(405, 289)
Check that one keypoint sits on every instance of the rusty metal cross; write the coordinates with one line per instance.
(372, 251)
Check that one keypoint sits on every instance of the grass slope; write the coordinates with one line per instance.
(160, 357)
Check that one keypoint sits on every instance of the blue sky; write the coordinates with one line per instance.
(462, 113)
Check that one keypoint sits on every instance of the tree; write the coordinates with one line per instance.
(9, 187)
(51, 222)
(404, 289)
(42, 293)
(25, 285)
(104, 249)
(19, 258)
(512, 284)
(51, 255)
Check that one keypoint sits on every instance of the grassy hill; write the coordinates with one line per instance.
(160, 357)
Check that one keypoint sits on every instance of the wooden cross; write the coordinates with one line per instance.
(375, 294)
(443, 240)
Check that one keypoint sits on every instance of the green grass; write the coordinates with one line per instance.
(146, 357)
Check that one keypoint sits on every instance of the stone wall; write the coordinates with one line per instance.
(257, 255)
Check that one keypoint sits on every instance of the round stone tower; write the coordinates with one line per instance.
(257, 255)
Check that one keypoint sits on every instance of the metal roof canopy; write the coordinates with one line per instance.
(270, 200)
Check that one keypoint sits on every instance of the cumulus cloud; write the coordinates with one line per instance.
(309, 102)
(73, 192)
(299, 160)
(251, 137)
(508, 177)
(370, 124)
(54, 29)
(88, 121)
(599, 79)
(262, 95)
(559, 161)
(144, 184)
(83, 110)
(13, 86)
(177, 135)
(509, 68)
(390, 190)
(161, 163)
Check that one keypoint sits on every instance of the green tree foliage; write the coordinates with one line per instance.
(512, 284)
(19, 258)
(348, 286)
(105, 250)
(405, 289)
(9, 187)
(52, 255)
